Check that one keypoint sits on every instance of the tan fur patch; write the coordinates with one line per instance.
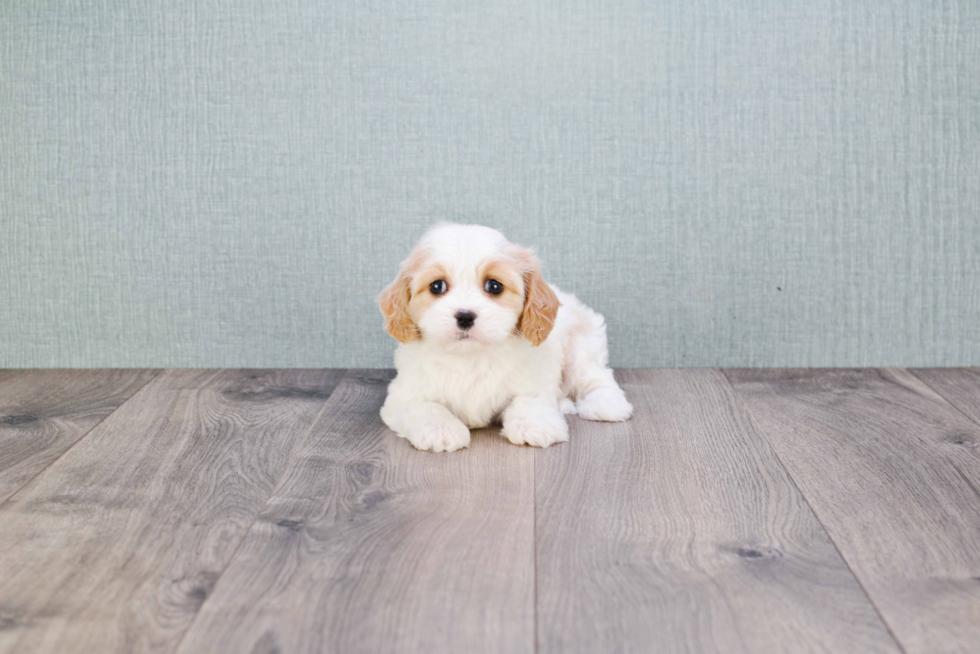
(396, 298)
(422, 298)
(540, 302)
(507, 273)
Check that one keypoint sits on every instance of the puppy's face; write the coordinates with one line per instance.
(466, 287)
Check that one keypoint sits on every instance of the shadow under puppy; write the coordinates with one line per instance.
(485, 339)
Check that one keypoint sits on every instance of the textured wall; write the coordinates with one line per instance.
(737, 183)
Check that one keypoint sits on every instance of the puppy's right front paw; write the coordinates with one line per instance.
(440, 436)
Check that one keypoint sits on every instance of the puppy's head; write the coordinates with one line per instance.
(466, 286)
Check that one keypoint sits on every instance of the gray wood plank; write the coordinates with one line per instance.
(960, 386)
(892, 471)
(680, 531)
(371, 546)
(116, 545)
(44, 412)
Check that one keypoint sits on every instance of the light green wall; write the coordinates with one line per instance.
(731, 183)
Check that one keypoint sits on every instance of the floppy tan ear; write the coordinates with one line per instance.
(540, 304)
(394, 306)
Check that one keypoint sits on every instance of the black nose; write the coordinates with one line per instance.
(464, 319)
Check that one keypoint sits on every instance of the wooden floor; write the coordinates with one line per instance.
(272, 511)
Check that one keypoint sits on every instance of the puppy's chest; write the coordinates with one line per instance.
(475, 391)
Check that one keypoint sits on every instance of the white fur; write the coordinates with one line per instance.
(450, 381)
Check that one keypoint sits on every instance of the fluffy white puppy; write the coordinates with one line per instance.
(485, 339)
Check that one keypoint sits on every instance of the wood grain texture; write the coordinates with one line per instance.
(960, 386)
(371, 546)
(116, 545)
(893, 472)
(679, 531)
(44, 412)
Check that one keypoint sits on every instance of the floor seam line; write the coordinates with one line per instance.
(534, 499)
(83, 436)
(813, 511)
(945, 399)
(255, 518)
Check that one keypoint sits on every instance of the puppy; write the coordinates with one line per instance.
(485, 339)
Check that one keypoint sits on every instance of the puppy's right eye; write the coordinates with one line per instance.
(438, 287)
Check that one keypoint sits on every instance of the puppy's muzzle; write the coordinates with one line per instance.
(465, 319)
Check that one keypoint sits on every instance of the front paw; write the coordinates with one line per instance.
(445, 436)
(537, 431)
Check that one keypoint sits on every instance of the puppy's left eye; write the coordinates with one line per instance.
(493, 287)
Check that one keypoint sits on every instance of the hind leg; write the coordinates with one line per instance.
(589, 379)
(606, 402)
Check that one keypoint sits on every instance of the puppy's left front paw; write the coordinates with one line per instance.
(537, 432)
